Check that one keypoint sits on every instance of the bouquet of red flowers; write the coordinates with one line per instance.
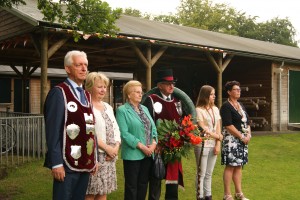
(176, 139)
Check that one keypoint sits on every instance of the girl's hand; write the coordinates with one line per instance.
(217, 148)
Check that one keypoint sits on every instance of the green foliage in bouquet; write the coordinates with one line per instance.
(176, 139)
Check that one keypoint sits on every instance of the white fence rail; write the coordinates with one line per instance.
(22, 138)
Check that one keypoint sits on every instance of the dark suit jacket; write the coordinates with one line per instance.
(54, 113)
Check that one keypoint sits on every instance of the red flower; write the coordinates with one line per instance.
(174, 142)
(175, 139)
(182, 133)
(195, 139)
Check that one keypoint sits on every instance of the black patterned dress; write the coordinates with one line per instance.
(234, 151)
(105, 181)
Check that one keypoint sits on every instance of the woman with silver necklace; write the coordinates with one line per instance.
(208, 118)
(237, 134)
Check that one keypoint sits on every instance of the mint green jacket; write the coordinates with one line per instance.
(133, 131)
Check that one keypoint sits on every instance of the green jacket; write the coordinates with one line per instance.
(133, 131)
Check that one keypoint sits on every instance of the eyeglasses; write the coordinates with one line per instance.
(168, 83)
(236, 89)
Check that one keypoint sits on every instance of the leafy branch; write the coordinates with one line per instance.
(87, 16)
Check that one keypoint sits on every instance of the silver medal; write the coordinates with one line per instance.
(88, 118)
(76, 153)
(72, 106)
(157, 107)
(73, 131)
(178, 107)
(90, 128)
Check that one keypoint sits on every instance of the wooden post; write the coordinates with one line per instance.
(149, 67)
(149, 61)
(44, 68)
(220, 79)
(219, 67)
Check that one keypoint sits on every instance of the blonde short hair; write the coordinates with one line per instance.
(91, 77)
(128, 87)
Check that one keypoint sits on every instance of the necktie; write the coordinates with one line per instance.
(168, 99)
(82, 97)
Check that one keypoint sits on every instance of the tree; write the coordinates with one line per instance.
(132, 12)
(245, 26)
(136, 13)
(171, 19)
(203, 14)
(277, 30)
(10, 3)
(222, 18)
(88, 16)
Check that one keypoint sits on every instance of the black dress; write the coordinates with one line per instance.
(234, 151)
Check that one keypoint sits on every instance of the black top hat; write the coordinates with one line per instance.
(165, 75)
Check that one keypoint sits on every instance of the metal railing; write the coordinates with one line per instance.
(22, 138)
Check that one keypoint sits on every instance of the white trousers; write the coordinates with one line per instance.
(207, 167)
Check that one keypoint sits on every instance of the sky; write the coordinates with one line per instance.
(264, 9)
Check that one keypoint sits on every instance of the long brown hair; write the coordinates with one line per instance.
(203, 96)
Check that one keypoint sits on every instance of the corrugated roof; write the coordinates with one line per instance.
(182, 35)
(187, 35)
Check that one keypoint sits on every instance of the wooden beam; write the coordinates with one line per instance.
(16, 70)
(36, 44)
(56, 46)
(25, 71)
(160, 52)
(139, 54)
(211, 59)
(227, 61)
(149, 61)
(32, 70)
(219, 66)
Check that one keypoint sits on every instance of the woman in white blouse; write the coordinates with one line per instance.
(208, 117)
(108, 138)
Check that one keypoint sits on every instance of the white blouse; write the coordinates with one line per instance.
(210, 120)
(100, 124)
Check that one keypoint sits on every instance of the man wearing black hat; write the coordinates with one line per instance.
(163, 105)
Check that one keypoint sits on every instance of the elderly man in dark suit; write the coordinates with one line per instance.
(70, 134)
(163, 105)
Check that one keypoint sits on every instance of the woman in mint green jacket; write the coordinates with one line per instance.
(139, 139)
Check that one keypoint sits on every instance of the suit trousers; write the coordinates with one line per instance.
(136, 173)
(72, 188)
(155, 190)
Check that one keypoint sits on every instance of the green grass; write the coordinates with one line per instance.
(272, 174)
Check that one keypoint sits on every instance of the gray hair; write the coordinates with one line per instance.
(74, 53)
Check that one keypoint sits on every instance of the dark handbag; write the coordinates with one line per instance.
(159, 168)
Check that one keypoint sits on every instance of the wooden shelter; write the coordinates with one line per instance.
(141, 47)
